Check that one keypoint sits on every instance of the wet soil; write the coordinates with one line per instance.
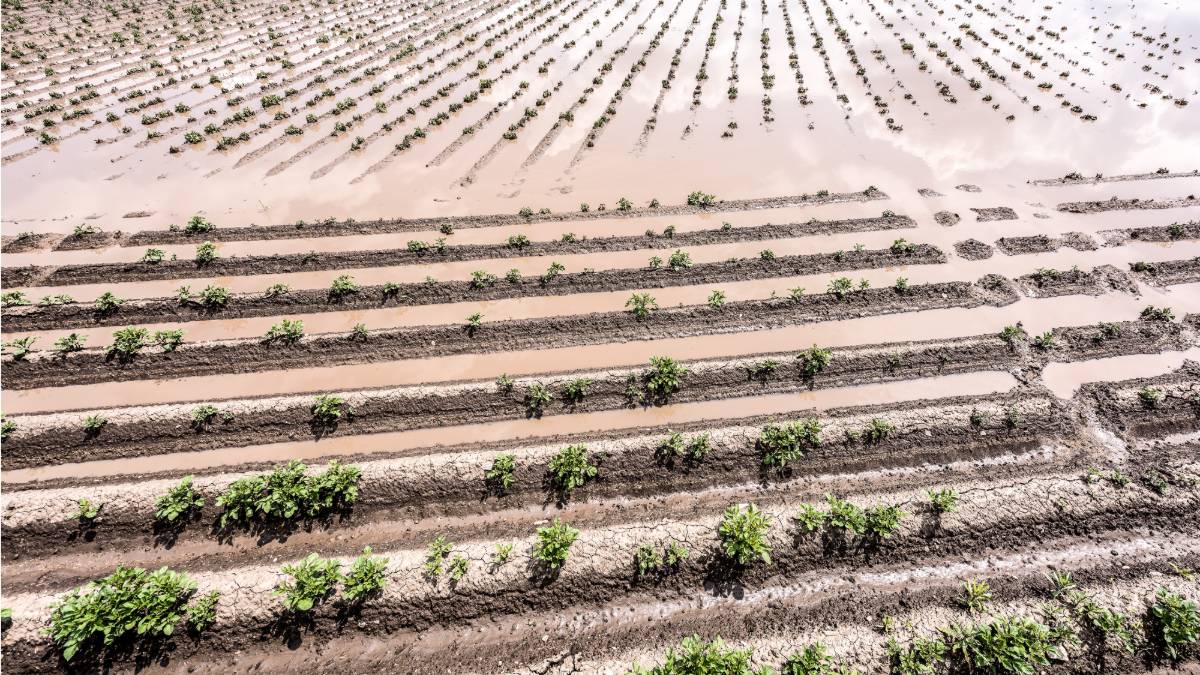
(1041, 243)
(1116, 204)
(169, 429)
(946, 218)
(95, 365)
(989, 214)
(973, 249)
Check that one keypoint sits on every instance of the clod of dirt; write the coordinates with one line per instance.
(988, 214)
(946, 218)
(973, 249)
(967, 187)
(926, 192)
(1043, 244)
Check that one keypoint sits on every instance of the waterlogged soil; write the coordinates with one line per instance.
(56, 438)
(1041, 243)
(1125, 410)
(337, 228)
(1050, 283)
(998, 517)
(309, 262)
(970, 249)
(96, 365)
(163, 310)
(1117, 204)
(946, 218)
(993, 213)
(1099, 178)
(1172, 232)
(450, 485)
(1168, 273)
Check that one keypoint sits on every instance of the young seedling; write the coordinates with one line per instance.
(87, 511)
(500, 555)
(841, 287)
(1152, 313)
(329, 409)
(457, 569)
(168, 340)
(944, 500)
(277, 290)
(976, 595)
(13, 299)
(206, 253)
(537, 398)
(153, 256)
(313, 580)
(1011, 335)
(575, 390)
(809, 519)
(716, 300)
(1150, 397)
(844, 516)
(286, 332)
(679, 260)
(214, 297)
(202, 612)
(701, 199)
(781, 445)
(127, 342)
(367, 577)
(473, 323)
(1044, 341)
(812, 660)
(180, 501)
(92, 424)
(198, 225)
(1176, 622)
(570, 469)
(19, 348)
(663, 378)
(554, 544)
(343, 286)
(552, 272)
(641, 304)
(435, 554)
(883, 521)
(481, 279)
(359, 332)
(505, 384)
(877, 431)
(814, 360)
(743, 533)
(500, 477)
(107, 304)
(647, 560)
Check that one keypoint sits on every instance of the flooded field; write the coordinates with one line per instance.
(555, 336)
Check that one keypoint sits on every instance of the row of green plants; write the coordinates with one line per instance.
(286, 494)
(133, 602)
(1005, 643)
